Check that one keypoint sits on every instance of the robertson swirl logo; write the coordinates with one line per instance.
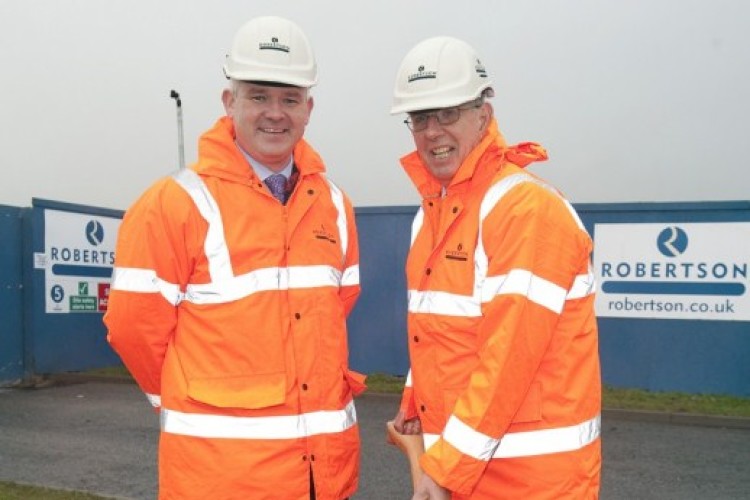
(672, 241)
(94, 232)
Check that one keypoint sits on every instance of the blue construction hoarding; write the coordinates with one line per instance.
(11, 294)
(673, 301)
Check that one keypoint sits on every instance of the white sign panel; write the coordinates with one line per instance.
(78, 260)
(673, 270)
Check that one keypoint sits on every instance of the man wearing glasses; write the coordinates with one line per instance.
(504, 383)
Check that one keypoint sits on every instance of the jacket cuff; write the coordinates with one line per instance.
(451, 469)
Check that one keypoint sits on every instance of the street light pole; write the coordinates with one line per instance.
(180, 142)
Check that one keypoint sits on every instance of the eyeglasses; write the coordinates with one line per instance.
(417, 122)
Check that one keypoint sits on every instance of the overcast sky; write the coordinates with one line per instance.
(639, 100)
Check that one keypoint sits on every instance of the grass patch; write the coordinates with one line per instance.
(110, 371)
(15, 491)
(675, 402)
(625, 399)
(385, 384)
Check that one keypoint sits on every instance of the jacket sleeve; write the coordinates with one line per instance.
(350, 286)
(150, 274)
(408, 405)
(534, 248)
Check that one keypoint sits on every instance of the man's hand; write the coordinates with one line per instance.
(412, 426)
(427, 489)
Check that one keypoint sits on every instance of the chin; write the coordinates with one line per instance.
(443, 172)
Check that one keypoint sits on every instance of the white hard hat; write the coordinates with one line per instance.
(272, 49)
(439, 72)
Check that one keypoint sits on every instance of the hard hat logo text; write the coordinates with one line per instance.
(273, 45)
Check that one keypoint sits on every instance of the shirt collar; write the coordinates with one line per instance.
(262, 171)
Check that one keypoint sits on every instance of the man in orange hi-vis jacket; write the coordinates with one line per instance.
(504, 382)
(233, 279)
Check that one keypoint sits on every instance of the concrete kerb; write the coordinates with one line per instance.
(678, 418)
(607, 413)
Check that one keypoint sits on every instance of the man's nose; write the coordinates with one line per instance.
(275, 108)
(433, 126)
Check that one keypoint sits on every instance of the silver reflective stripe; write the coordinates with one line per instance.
(541, 291)
(132, 279)
(416, 224)
(517, 281)
(225, 286)
(282, 427)
(448, 304)
(491, 198)
(154, 399)
(408, 379)
(523, 282)
(583, 285)
(260, 280)
(574, 214)
(522, 444)
(338, 201)
(215, 246)
(350, 276)
(468, 441)
(497, 191)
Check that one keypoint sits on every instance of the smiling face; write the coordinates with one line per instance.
(444, 147)
(268, 120)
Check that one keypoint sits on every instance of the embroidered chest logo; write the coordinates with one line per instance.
(323, 234)
(457, 254)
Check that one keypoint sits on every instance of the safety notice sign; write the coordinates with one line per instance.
(78, 260)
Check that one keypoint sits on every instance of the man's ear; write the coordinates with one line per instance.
(227, 98)
(310, 106)
(485, 116)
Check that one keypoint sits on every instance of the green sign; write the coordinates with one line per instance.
(78, 303)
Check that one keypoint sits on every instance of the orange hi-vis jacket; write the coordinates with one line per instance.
(229, 309)
(502, 334)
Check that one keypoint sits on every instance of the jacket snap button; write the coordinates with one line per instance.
(423, 407)
(416, 338)
(428, 271)
(310, 191)
(304, 387)
(455, 209)
(297, 315)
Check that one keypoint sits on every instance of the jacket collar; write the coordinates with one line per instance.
(477, 165)
(219, 156)
(492, 142)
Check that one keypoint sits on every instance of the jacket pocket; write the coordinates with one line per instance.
(531, 408)
(245, 391)
(356, 381)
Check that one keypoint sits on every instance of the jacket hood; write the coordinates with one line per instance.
(219, 156)
(492, 145)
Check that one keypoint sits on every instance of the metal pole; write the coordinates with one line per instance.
(180, 142)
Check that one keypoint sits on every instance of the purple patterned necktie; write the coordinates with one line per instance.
(277, 184)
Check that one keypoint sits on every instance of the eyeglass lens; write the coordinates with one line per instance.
(446, 116)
